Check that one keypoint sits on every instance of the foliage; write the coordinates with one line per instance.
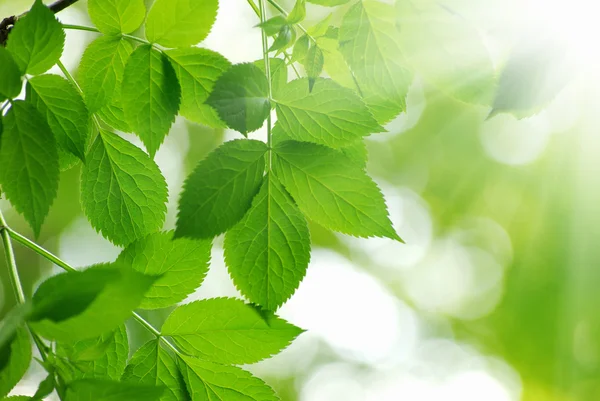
(261, 195)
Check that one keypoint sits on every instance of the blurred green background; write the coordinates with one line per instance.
(495, 294)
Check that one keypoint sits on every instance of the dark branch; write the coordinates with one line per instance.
(7, 23)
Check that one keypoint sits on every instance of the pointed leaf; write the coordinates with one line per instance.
(181, 263)
(332, 190)
(101, 70)
(150, 96)
(207, 381)
(300, 49)
(15, 357)
(241, 97)
(29, 174)
(298, 13)
(369, 42)
(279, 72)
(226, 330)
(198, 70)
(152, 364)
(123, 193)
(59, 102)
(220, 190)
(117, 16)
(10, 84)
(79, 305)
(284, 39)
(313, 63)
(107, 390)
(180, 23)
(268, 251)
(37, 40)
(272, 26)
(331, 115)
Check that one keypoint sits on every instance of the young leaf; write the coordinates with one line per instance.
(226, 330)
(334, 63)
(45, 387)
(108, 390)
(198, 70)
(15, 357)
(76, 306)
(103, 357)
(241, 97)
(59, 102)
(181, 264)
(220, 190)
(300, 49)
(330, 114)
(321, 27)
(152, 364)
(10, 84)
(180, 23)
(207, 381)
(150, 96)
(101, 70)
(123, 193)
(117, 16)
(313, 63)
(369, 41)
(268, 251)
(37, 40)
(298, 13)
(272, 26)
(332, 190)
(284, 39)
(29, 174)
(279, 72)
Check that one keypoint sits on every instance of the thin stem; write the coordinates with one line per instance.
(4, 106)
(265, 46)
(95, 30)
(254, 7)
(11, 261)
(60, 5)
(289, 60)
(285, 14)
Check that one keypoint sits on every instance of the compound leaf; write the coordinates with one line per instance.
(59, 102)
(150, 96)
(332, 190)
(331, 114)
(10, 84)
(108, 390)
(29, 174)
(241, 97)
(197, 70)
(180, 23)
(207, 381)
(101, 70)
(117, 16)
(123, 192)
(226, 330)
(15, 357)
(220, 190)
(268, 251)
(369, 41)
(151, 364)
(37, 40)
(181, 265)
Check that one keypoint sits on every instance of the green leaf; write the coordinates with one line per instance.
(330, 114)
(369, 41)
(321, 27)
(102, 357)
(357, 152)
(241, 97)
(329, 3)
(300, 49)
(29, 174)
(272, 26)
(198, 70)
(37, 40)
(15, 357)
(152, 364)
(18, 398)
(150, 96)
(220, 190)
(101, 70)
(10, 85)
(298, 13)
(59, 102)
(334, 63)
(313, 63)
(12, 321)
(332, 190)
(75, 306)
(268, 251)
(45, 387)
(226, 330)
(123, 192)
(284, 39)
(207, 381)
(279, 72)
(113, 114)
(107, 390)
(181, 263)
(117, 16)
(180, 23)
